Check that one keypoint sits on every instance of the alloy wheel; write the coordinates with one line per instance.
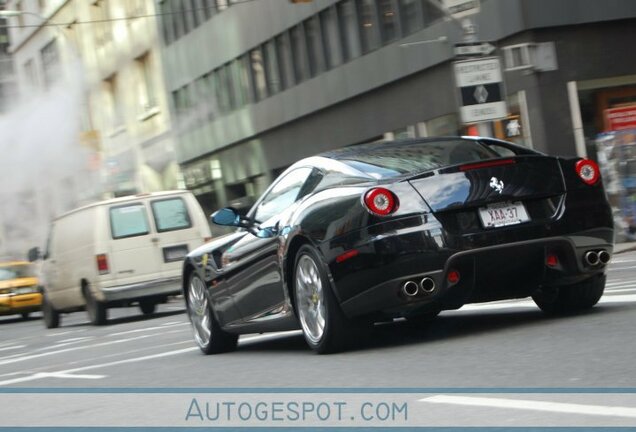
(199, 312)
(310, 296)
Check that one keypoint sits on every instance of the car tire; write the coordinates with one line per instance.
(50, 315)
(324, 324)
(570, 298)
(97, 310)
(208, 334)
(147, 307)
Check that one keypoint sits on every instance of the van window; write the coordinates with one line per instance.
(171, 214)
(128, 221)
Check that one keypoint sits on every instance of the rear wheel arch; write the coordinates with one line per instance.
(188, 269)
(289, 265)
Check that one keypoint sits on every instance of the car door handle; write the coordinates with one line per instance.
(155, 240)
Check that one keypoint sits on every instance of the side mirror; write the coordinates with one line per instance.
(226, 216)
(34, 254)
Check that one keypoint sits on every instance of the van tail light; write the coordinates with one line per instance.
(380, 201)
(102, 264)
(588, 171)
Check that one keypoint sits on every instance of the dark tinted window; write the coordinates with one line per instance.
(15, 271)
(387, 160)
(284, 193)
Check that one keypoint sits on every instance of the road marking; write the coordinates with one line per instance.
(622, 268)
(45, 354)
(43, 375)
(533, 405)
(63, 333)
(163, 327)
(269, 336)
(12, 347)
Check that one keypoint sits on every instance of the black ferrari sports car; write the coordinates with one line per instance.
(401, 229)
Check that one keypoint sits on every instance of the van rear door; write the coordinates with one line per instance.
(178, 224)
(133, 256)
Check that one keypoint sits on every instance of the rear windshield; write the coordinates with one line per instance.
(128, 221)
(394, 160)
(171, 214)
(17, 271)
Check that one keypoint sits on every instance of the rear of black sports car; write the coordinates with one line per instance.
(502, 227)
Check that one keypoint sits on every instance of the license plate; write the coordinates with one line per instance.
(175, 253)
(503, 214)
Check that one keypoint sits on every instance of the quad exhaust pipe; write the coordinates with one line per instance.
(428, 285)
(594, 258)
(412, 288)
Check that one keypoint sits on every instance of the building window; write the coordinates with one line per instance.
(177, 19)
(299, 53)
(241, 80)
(103, 30)
(285, 61)
(186, 15)
(349, 29)
(221, 5)
(259, 77)
(210, 95)
(135, 8)
(271, 67)
(167, 25)
(387, 11)
(411, 16)
(30, 74)
(20, 16)
(146, 89)
(200, 11)
(112, 102)
(331, 37)
(431, 13)
(315, 51)
(50, 62)
(369, 34)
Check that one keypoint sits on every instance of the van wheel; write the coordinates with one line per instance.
(51, 316)
(97, 311)
(147, 306)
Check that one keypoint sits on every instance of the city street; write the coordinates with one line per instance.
(502, 344)
(502, 363)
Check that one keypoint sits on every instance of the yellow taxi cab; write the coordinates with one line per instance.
(19, 293)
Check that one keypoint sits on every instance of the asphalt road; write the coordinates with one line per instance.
(501, 344)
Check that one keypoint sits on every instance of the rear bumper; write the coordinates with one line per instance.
(16, 304)
(512, 270)
(152, 288)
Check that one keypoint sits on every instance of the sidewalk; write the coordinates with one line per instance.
(624, 247)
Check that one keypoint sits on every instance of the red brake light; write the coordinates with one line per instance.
(588, 171)
(102, 264)
(380, 201)
(486, 164)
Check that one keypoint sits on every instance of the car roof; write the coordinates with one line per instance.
(127, 198)
(354, 150)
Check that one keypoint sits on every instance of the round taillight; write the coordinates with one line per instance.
(588, 171)
(380, 201)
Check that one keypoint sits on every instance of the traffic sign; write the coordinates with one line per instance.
(461, 8)
(480, 87)
(466, 49)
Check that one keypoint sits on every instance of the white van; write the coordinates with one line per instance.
(116, 252)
